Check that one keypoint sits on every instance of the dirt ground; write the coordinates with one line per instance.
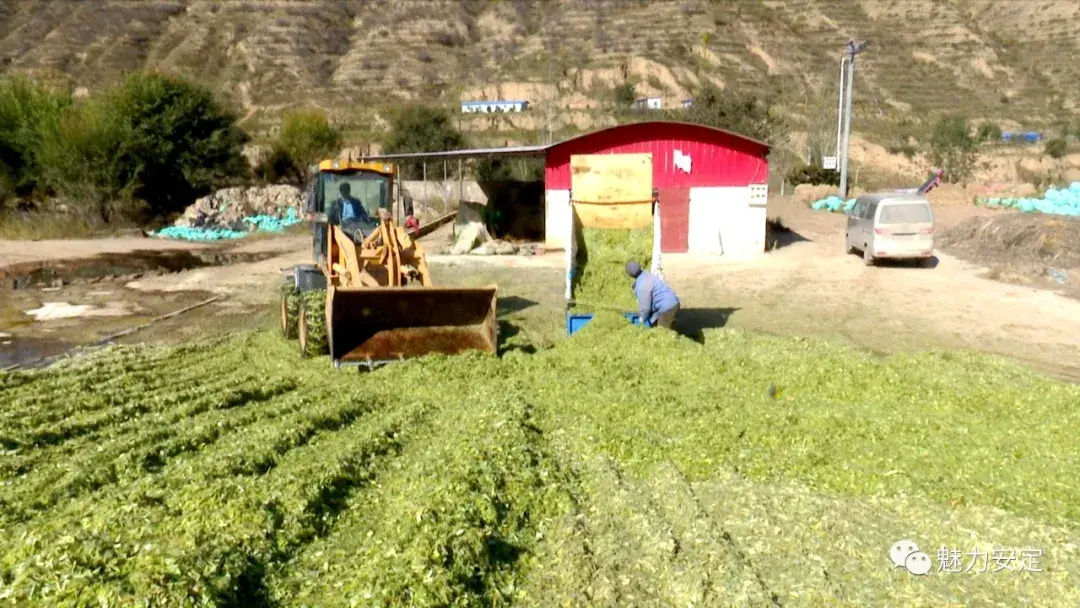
(810, 286)
(15, 252)
(806, 286)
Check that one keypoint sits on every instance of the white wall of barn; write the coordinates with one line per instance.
(726, 221)
(556, 219)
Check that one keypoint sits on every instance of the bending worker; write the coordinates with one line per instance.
(657, 301)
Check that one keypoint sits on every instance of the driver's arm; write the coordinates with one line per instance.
(333, 213)
(362, 213)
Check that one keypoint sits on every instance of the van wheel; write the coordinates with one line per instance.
(848, 248)
(867, 257)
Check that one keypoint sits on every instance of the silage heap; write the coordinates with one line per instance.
(622, 467)
(600, 267)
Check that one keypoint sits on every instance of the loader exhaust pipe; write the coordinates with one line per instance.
(384, 324)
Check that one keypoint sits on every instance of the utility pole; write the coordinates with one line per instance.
(853, 48)
(551, 100)
(840, 106)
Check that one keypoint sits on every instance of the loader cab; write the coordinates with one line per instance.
(369, 184)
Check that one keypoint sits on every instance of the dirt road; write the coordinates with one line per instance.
(812, 287)
(806, 287)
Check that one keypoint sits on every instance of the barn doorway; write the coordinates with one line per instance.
(515, 197)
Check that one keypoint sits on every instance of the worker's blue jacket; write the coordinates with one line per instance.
(653, 296)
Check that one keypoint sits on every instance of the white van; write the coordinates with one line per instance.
(891, 226)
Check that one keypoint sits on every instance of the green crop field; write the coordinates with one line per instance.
(623, 467)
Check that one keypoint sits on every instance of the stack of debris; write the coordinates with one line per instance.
(499, 247)
(231, 208)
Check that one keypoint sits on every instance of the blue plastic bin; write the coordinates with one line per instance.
(575, 321)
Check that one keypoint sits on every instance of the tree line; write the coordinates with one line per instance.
(150, 145)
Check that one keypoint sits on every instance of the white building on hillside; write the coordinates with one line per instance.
(651, 103)
(470, 107)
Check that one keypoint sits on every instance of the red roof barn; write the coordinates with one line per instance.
(711, 184)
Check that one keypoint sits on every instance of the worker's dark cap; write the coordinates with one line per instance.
(633, 268)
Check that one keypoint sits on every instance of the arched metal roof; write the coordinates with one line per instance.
(652, 124)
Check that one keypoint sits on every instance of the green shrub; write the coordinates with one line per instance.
(988, 132)
(422, 129)
(954, 149)
(80, 162)
(26, 109)
(742, 113)
(153, 144)
(1056, 147)
(496, 169)
(625, 95)
(180, 141)
(814, 174)
(306, 138)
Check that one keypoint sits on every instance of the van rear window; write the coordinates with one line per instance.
(915, 213)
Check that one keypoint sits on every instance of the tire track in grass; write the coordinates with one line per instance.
(818, 548)
(90, 396)
(447, 524)
(712, 568)
(53, 387)
(134, 430)
(266, 437)
(208, 539)
(105, 366)
(562, 570)
(56, 434)
(126, 459)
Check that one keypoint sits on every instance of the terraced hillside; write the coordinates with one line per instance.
(987, 58)
(621, 467)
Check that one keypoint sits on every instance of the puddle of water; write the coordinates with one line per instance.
(30, 339)
(51, 311)
(21, 351)
(116, 265)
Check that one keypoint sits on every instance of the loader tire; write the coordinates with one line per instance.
(290, 311)
(311, 325)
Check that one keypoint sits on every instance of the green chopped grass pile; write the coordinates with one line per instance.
(290, 295)
(600, 279)
(622, 467)
(313, 304)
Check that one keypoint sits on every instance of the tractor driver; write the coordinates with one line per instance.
(354, 218)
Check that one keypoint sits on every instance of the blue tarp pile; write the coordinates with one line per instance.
(833, 204)
(1056, 201)
(255, 223)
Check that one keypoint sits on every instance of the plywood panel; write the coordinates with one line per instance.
(624, 217)
(611, 178)
(674, 219)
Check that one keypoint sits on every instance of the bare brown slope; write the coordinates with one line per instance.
(988, 58)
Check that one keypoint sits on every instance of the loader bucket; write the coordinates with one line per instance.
(382, 324)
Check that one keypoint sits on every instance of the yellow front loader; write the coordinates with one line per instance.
(380, 304)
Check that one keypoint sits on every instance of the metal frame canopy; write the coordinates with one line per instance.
(542, 150)
(471, 153)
